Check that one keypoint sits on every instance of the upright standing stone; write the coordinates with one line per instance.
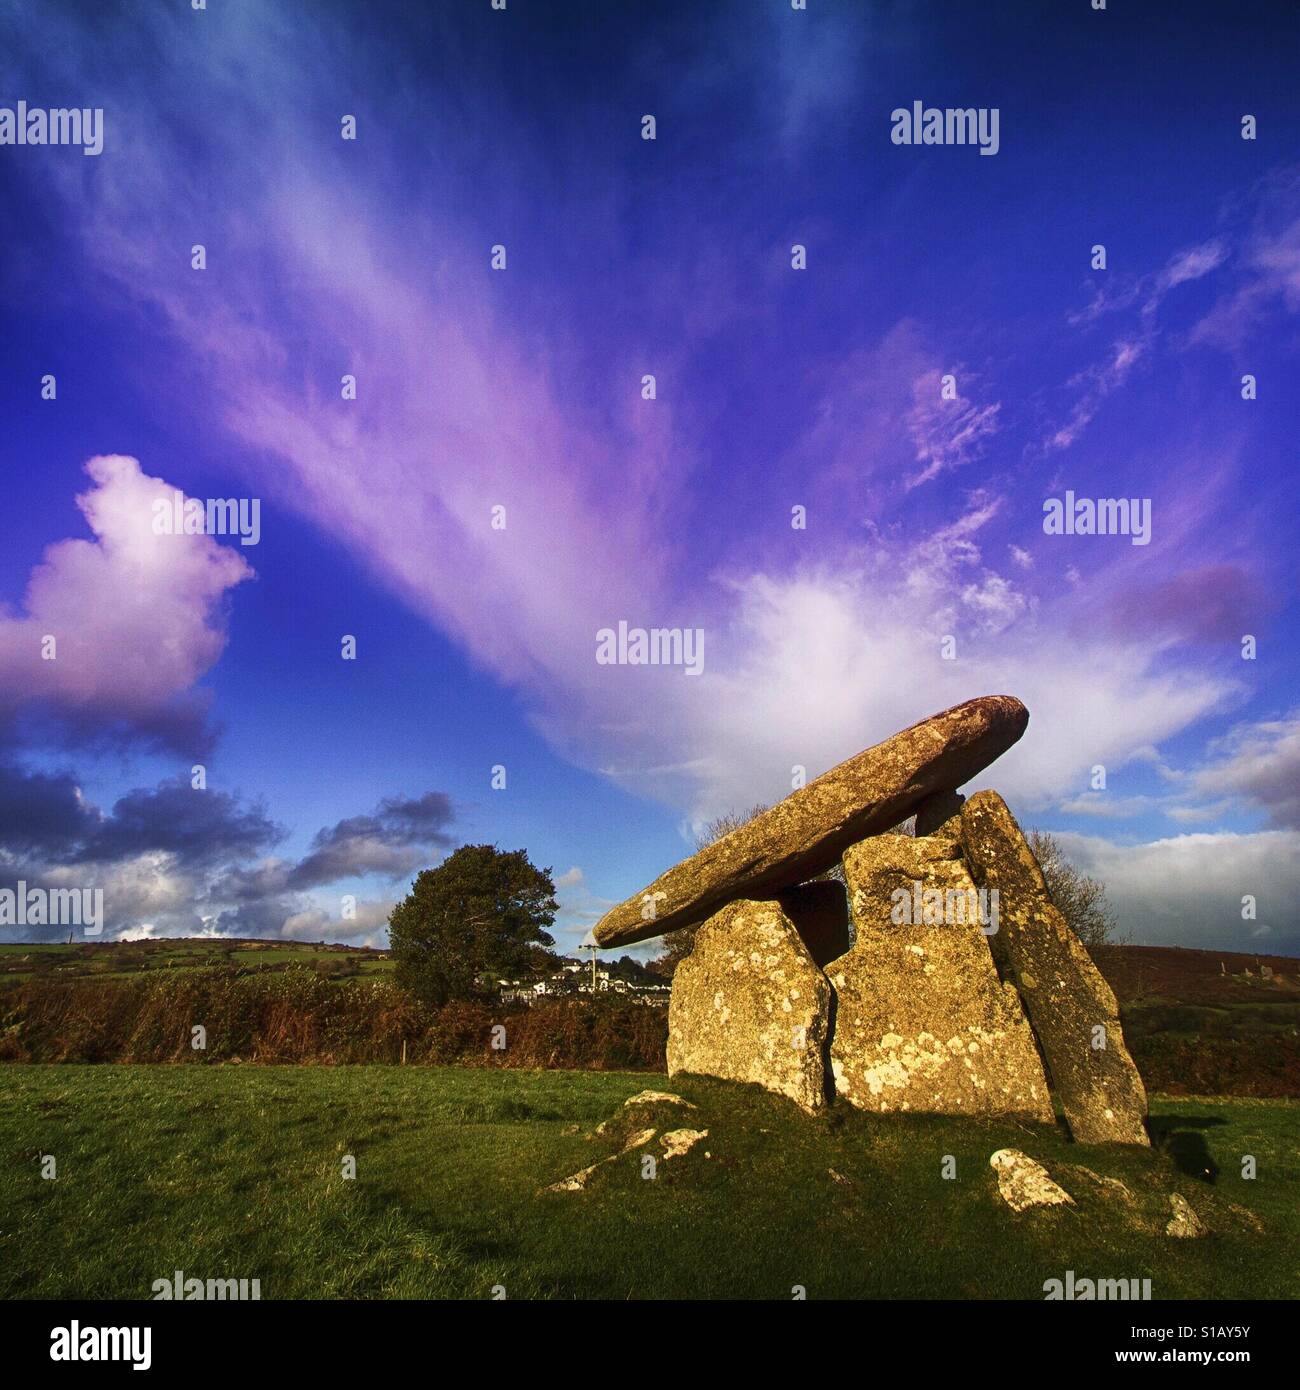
(750, 1004)
(1070, 1005)
(922, 1022)
(805, 834)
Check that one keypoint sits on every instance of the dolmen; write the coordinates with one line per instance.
(938, 978)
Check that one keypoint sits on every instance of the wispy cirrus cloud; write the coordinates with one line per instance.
(1094, 384)
(1142, 297)
(1145, 293)
(801, 655)
(947, 432)
(480, 389)
(1269, 273)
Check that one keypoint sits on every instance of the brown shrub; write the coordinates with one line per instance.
(1206, 1066)
(297, 1015)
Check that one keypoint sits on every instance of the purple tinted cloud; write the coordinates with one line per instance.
(115, 632)
(1212, 603)
(480, 389)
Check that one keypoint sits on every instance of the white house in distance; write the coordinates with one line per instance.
(576, 977)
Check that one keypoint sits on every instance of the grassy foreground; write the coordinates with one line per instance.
(235, 1172)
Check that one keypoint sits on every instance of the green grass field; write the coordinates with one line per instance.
(114, 960)
(235, 1172)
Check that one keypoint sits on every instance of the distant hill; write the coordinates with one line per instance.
(1148, 973)
(1209, 1022)
(115, 959)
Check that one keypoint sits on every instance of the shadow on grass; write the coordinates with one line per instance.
(1181, 1138)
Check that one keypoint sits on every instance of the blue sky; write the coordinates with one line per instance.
(522, 387)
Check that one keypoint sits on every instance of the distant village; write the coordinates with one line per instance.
(625, 977)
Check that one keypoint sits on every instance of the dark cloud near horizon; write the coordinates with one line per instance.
(390, 841)
(181, 726)
(258, 917)
(200, 828)
(207, 875)
(44, 814)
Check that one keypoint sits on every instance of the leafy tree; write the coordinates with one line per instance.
(630, 969)
(677, 946)
(1082, 900)
(480, 916)
(539, 960)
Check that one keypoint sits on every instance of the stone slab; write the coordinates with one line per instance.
(922, 1021)
(750, 1004)
(806, 833)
